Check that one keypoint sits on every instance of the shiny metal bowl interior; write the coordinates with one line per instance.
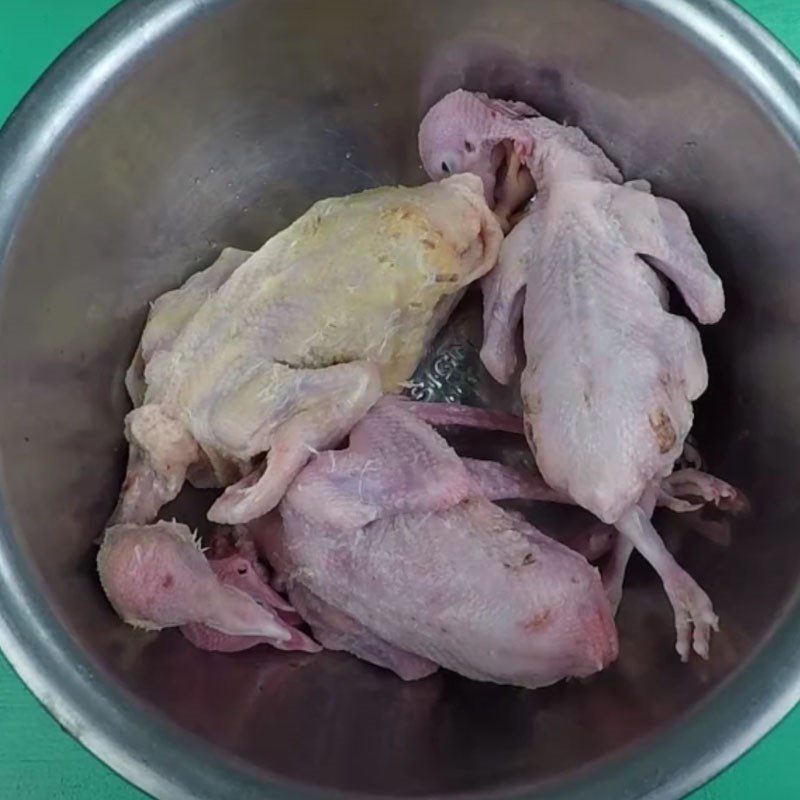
(178, 126)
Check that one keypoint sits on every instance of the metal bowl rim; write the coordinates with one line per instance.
(106, 719)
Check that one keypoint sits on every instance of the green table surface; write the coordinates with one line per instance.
(37, 758)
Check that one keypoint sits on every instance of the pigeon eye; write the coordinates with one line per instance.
(469, 147)
(445, 167)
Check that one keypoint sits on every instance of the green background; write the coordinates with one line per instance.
(37, 759)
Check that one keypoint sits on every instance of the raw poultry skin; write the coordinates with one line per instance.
(610, 373)
(282, 354)
(392, 551)
(156, 576)
(171, 312)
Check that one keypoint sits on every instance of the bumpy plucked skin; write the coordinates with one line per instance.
(610, 373)
(170, 313)
(157, 577)
(465, 132)
(394, 534)
(283, 353)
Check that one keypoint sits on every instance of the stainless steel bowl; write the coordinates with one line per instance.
(178, 126)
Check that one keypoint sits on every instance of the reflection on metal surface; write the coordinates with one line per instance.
(449, 379)
(452, 372)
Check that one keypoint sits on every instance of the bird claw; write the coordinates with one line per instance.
(692, 483)
(694, 616)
